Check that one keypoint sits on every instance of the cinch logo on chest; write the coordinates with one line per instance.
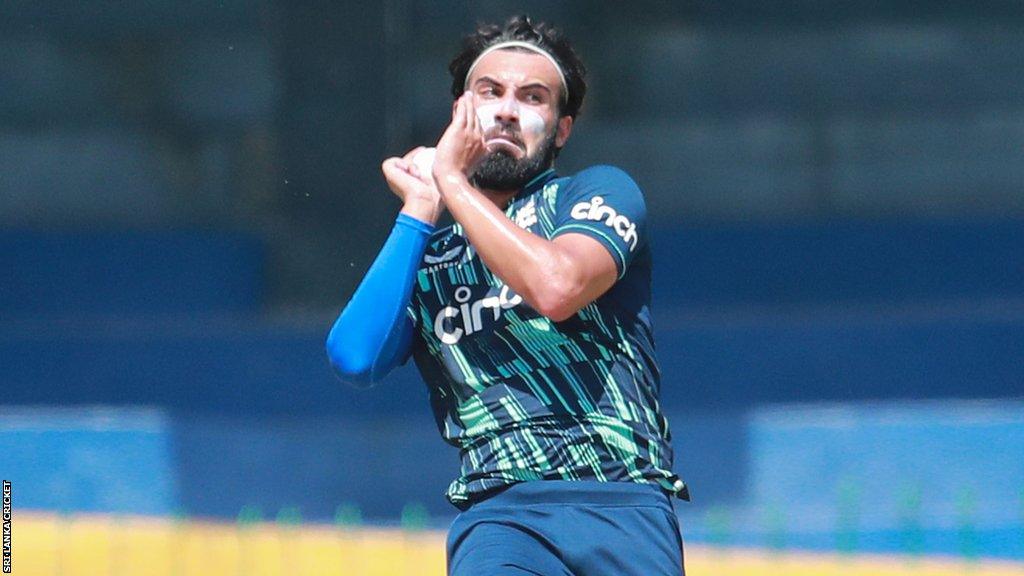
(452, 323)
(596, 211)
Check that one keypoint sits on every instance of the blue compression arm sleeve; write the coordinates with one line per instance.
(373, 334)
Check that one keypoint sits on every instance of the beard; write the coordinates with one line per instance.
(500, 171)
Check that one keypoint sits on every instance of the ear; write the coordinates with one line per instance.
(564, 129)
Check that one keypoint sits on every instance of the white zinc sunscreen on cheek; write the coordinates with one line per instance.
(529, 121)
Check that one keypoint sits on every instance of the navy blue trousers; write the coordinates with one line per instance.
(555, 528)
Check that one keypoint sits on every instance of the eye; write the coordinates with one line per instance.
(534, 98)
(487, 91)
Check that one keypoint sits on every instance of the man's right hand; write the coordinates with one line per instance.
(418, 193)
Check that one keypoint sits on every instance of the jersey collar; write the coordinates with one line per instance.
(533, 185)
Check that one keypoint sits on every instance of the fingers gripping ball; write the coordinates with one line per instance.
(424, 161)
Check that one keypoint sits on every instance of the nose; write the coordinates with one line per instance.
(508, 110)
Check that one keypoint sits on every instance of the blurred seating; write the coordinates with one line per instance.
(114, 275)
(85, 178)
(152, 18)
(708, 170)
(883, 262)
(862, 69)
(44, 81)
(949, 460)
(91, 460)
(789, 169)
(962, 165)
(220, 82)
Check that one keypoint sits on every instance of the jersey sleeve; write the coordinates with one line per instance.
(603, 202)
(374, 332)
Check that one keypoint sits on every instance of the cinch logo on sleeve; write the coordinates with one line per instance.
(596, 210)
(452, 323)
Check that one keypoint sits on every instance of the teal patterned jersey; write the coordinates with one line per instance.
(526, 398)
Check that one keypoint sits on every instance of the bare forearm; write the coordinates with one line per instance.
(532, 266)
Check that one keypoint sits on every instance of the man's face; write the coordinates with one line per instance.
(517, 96)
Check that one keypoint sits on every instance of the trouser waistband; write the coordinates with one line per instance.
(579, 492)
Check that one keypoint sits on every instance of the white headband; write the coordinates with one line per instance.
(525, 45)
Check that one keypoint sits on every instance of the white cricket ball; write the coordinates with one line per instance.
(424, 161)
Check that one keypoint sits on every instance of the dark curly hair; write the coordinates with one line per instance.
(522, 29)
